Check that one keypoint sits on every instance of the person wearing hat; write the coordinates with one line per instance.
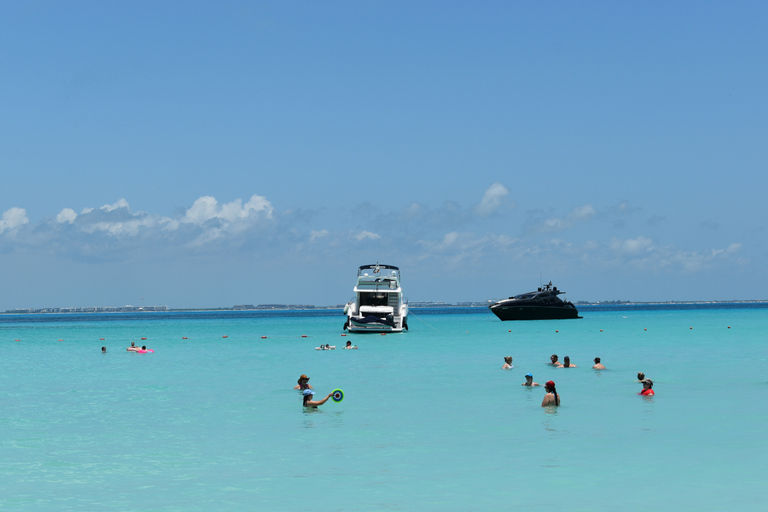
(308, 402)
(598, 365)
(647, 388)
(551, 398)
(507, 363)
(302, 383)
(529, 380)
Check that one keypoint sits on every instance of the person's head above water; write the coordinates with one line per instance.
(567, 360)
(308, 395)
(640, 376)
(349, 343)
(550, 385)
(528, 376)
(553, 358)
(508, 359)
(597, 360)
(647, 384)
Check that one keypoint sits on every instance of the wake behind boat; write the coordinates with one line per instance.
(378, 304)
(543, 304)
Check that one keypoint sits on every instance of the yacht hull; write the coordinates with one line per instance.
(518, 312)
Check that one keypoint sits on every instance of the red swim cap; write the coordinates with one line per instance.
(550, 384)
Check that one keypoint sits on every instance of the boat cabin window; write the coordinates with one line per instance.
(373, 299)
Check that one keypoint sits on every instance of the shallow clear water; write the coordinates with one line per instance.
(429, 420)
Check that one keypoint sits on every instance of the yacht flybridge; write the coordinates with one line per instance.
(378, 304)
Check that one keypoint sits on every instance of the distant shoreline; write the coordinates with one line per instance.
(307, 307)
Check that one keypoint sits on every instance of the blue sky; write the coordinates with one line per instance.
(202, 154)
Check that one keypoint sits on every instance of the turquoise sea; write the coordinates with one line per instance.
(429, 420)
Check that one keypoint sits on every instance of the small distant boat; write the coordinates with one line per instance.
(543, 304)
(378, 304)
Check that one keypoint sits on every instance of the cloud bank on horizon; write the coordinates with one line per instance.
(487, 236)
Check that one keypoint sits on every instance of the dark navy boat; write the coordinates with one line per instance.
(543, 304)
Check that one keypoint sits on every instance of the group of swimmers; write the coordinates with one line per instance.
(142, 350)
(132, 348)
(551, 398)
(348, 346)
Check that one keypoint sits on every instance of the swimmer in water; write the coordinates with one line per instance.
(567, 363)
(349, 346)
(529, 381)
(507, 363)
(133, 347)
(554, 360)
(103, 350)
(598, 365)
(551, 398)
(312, 404)
(647, 388)
(302, 383)
(640, 377)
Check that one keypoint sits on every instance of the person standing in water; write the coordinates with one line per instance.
(507, 363)
(302, 383)
(312, 404)
(529, 381)
(567, 363)
(598, 365)
(554, 360)
(647, 388)
(551, 398)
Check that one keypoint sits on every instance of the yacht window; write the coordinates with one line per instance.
(373, 299)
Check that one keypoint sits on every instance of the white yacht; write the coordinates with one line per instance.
(378, 304)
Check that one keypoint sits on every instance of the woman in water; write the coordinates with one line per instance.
(551, 398)
(529, 381)
(567, 363)
(308, 402)
(647, 388)
(302, 383)
(507, 363)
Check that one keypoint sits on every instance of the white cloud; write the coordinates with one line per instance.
(66, 215)
(632, 246)
(121, 203)
(492, 199)
(315, 235)
(13, 218)
(576, 216)
(207, 208)
(362, 235)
